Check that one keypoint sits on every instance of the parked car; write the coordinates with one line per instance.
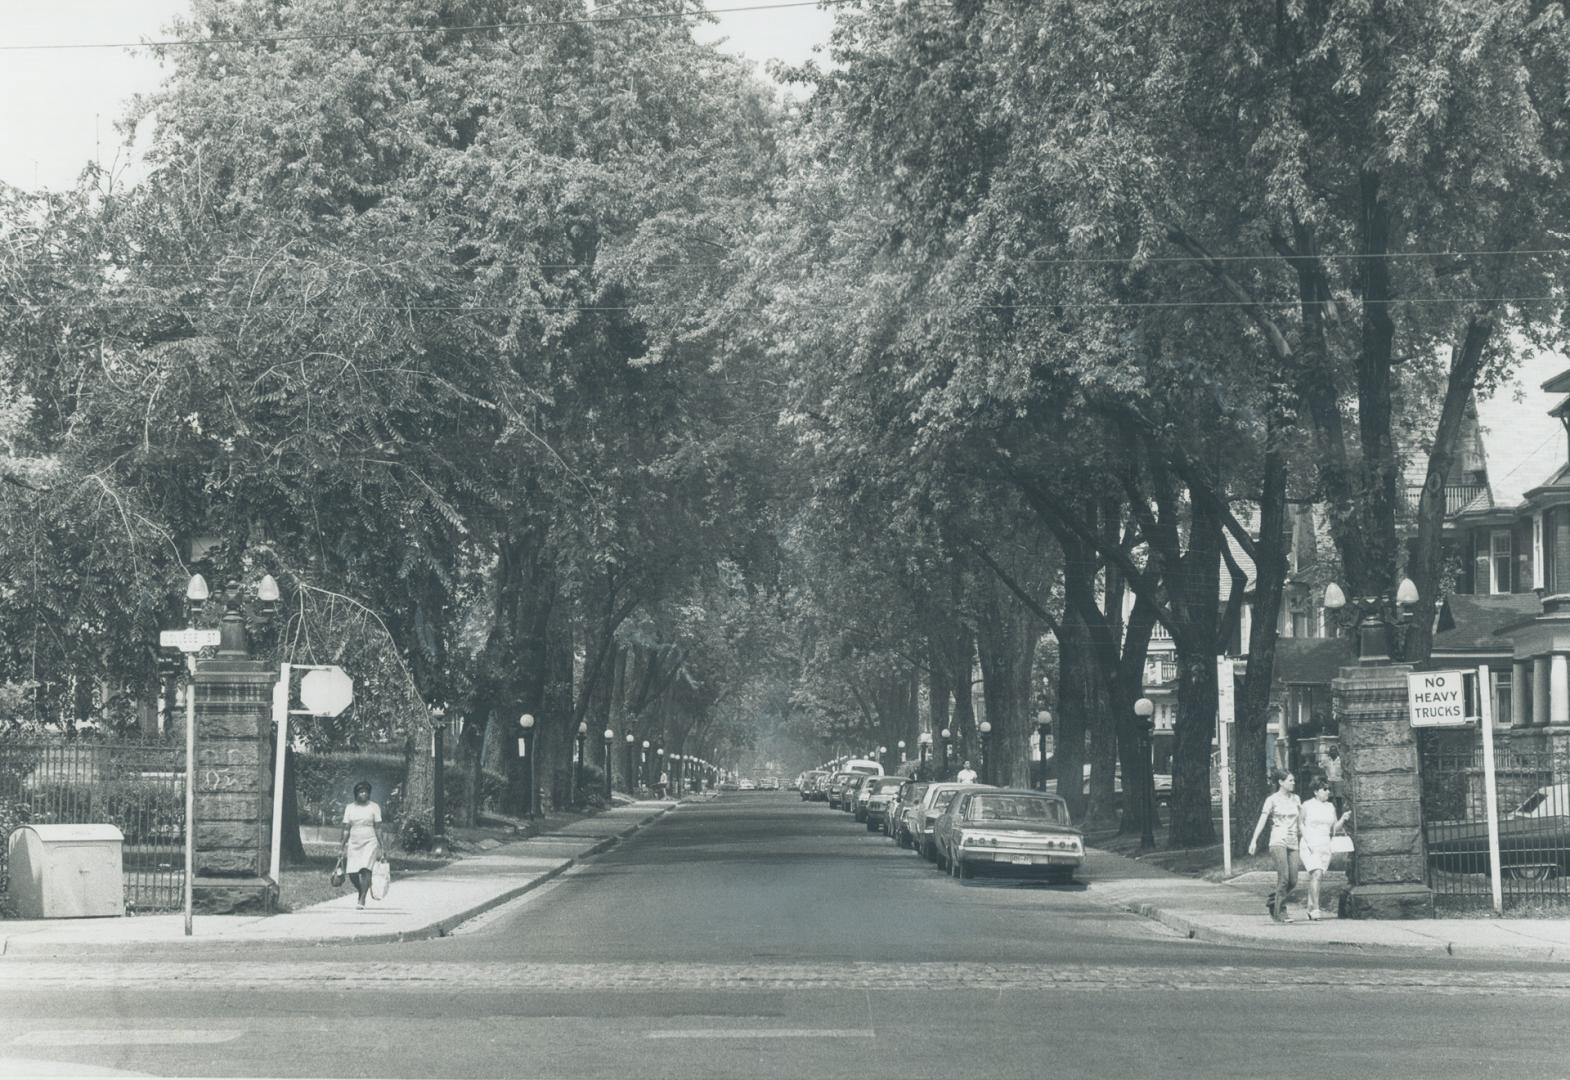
(1534, 839)
(1012, 830)
(794, 783)
(934, 801)
(902, 816)
(769, 783)
(727, 785)
(747, 784)
(814, 786)
(854, 800)
(880, 793)
(837, 785)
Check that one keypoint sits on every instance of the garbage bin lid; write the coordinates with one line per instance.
(73, 834)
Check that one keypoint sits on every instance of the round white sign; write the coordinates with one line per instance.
(326, 692)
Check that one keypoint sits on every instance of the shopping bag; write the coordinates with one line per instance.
(381, 879)
(337, 877)
(1341, 845)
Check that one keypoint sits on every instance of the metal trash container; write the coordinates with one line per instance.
(66, 871)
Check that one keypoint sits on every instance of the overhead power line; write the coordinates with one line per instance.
(417, 31)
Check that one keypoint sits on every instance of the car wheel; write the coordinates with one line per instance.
(964, 870)
(872, 826)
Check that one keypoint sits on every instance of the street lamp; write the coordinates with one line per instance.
(526, 752)
(676, 775)
(438, 782)
(1378, 621)
(577, 771)
(610, 739)
(947, 736)
(923, 749)
(883, 753)
(986, 751)
(1043, 729)
(901, 745)
(643, 765)
(630, 775)
(1143, 710)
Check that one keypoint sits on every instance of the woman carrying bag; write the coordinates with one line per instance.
(362, 839)
(1320, 829)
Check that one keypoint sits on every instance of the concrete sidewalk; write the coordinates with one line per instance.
(421, 906)
(1234, 913)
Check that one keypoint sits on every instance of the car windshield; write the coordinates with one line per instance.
(889, 785)
(942, 800)
(915, 793)
(1014, 808)
(869, 770)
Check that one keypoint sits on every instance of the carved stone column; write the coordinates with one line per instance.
(1379, 747)
(233, 786)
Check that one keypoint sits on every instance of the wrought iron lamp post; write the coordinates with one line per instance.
(1380, 622)
(643, 765)
(947, 736)
(1043, 729)
(1144, 710)
(630, 775)
(986, 751)
(901, 745)
(610, 740)
(577, 769)
(526, 751)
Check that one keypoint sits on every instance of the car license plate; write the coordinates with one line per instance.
(1040, 860)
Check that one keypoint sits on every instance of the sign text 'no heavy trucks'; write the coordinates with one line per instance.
(1437, 699)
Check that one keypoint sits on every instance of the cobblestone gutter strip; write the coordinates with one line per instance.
(456, 976)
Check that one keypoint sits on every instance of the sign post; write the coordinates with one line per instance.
(280, 750)
(1226, 716)
(1485, 709)
(190, 642)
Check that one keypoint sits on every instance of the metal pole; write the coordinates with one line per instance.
(1485, 708)
(190, 786)
(534, 794)
(607, 770)
(1147, 835)
(281, 733)
(439, 786)
(1041, 749)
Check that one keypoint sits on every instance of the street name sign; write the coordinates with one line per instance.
(189, 640)
(1437, 699)
(326, 691)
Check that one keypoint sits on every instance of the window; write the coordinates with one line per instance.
(1300, 624)
(1500, 561)
(1504, 687)
(1539, 578)
(1550, 575)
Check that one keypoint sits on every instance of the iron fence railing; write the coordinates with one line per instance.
(1534, 823)
(135, 785)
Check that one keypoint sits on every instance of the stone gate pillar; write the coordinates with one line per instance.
(233, 786)
(1379, 747)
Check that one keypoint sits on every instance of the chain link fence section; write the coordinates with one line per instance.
(136, 785)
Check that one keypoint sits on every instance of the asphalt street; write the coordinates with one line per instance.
(757, 936)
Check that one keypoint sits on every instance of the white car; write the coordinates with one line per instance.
(769, 783)
(748, 785)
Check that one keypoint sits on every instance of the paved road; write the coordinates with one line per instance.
(757, 936)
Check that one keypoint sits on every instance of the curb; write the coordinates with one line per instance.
(441, 927)
(1198, 931)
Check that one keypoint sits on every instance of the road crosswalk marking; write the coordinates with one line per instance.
(124, 1037)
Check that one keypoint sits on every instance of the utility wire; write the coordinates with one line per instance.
(415, 31)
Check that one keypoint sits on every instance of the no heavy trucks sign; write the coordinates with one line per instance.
(1437, 699)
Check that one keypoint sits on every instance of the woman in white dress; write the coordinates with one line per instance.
(1319, 824)
(362, 838)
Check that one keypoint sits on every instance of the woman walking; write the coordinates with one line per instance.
(362, 838)
(1283, 812)
(1319, 824)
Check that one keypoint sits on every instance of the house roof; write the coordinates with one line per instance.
(1310, 661)
(1523, 446)
(1473, 623)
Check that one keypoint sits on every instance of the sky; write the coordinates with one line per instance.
(58, 108)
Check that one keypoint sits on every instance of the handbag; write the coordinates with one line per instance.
(381, 879)
(1341, 845)
(337, 878)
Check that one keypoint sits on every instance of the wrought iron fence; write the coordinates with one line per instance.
(135, 785)
(1534, 822)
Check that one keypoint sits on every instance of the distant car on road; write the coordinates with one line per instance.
(769, 783)
(747, 784)
(1011, 830)
(837, 785)
(813, 786)
(727, 785)
(794, 783)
